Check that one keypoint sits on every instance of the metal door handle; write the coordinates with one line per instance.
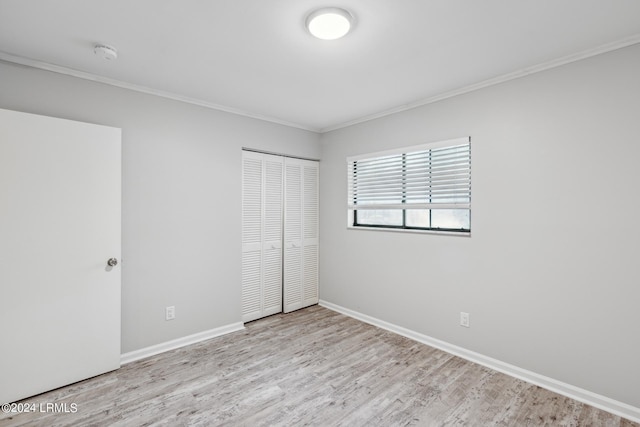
(112, 262)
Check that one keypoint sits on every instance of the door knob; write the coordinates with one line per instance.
(112, 262)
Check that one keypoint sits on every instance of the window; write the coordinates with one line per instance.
(425, 187)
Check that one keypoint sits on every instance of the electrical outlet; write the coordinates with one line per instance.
(464, 319)
(170, 312)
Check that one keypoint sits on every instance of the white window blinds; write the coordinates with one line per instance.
(430, 176)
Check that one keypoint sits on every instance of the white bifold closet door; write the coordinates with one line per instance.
(279, 204)
(300, 234)
(261, 235)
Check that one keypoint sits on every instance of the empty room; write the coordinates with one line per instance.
(347, 213)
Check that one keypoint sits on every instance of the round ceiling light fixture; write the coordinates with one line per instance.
(329, 23)
(107, 52)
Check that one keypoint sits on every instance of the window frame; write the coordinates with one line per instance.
(352, 210)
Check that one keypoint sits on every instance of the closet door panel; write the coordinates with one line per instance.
(252, 178)
(301, 234)
(310, 229)
(261, 235)
(272, 236)
(293, 268)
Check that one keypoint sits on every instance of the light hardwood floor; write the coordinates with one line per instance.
(311, 367)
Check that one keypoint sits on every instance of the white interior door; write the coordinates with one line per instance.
(300, 234)
(59, 225)
(261, 235)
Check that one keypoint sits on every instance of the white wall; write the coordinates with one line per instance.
(181, 196)
(550, 274)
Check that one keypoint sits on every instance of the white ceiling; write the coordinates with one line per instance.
(255, 57)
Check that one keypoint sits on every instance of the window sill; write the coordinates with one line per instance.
(404, 230)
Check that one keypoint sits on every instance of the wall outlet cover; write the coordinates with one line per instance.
(464, 319)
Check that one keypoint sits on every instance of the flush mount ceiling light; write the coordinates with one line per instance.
(107, 52)
(329, 23)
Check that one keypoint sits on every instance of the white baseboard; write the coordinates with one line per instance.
(601, 402)
(132, 356)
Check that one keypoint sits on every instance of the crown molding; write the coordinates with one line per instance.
(28, 62)
(629, 41)
(33, 63)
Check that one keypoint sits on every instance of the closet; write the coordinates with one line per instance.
(279, 234)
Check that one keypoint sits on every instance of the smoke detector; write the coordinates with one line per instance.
(107, 52)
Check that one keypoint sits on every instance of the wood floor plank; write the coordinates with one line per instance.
(311, 367)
